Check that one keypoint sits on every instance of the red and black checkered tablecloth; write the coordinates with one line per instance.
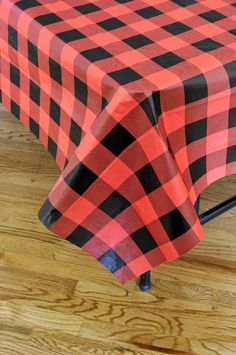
(136, 101)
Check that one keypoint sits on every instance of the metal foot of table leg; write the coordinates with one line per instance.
(145, 281)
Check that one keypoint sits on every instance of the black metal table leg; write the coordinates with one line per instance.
(145, 281)
(217, 210)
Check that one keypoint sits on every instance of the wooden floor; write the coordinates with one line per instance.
(55, 299)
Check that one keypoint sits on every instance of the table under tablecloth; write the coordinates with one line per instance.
(136, 101)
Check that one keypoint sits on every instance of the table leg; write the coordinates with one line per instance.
(145, 281)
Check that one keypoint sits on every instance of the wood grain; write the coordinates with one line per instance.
(55, 299)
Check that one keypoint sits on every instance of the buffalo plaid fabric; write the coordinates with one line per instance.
(136, 101)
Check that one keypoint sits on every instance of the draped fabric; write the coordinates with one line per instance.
(136, 102)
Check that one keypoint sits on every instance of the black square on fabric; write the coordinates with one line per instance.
(104, 103)
(118, 139)
(185, 3)
(114, 204)
(148, 178)
(233, 32)
(207, 45)
(111, 24)
(34, 127)
(87, 8)
(55, 111)
(75, 133)
(231, 70)
(174, 224)
(32, 53)
(71, 35)
(196, 130)
(125, 76)
(137, 41)
(176, 28)
(34, 92)
(198, 169)
(148, 12)
(111, 260)
(232, 117)
(212, 16)
(80, 236)
(48, 19)
(152, 107)
(231, 154)
(27, 4)
(12, 37)
(48, 214)
(14, 75)
(96, 54)
(195, 88)
(80, 178)
(81, 90)
(144, 240)
(55, 71)
(52, 147)
(167, 60)
(15, 109)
